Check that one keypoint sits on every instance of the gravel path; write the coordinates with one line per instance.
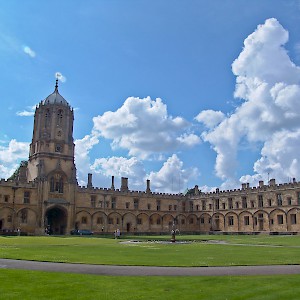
(148, 271)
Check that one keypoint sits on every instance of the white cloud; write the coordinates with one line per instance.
(60, 77)
(10, 154)
(268, 81)
(27, 113)
(144, 127)
(29, 51)
(210, 118)
(172, 177)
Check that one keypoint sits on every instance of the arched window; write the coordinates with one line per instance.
(47, 118)
(59, 117)
(57, 184)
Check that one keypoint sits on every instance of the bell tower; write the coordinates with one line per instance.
(52, 146)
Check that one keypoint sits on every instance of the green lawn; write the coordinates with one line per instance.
(42, 285)
(237, 250)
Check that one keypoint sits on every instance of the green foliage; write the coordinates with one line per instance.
(14, 176)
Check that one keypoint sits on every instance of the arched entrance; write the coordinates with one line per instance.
(56, 221)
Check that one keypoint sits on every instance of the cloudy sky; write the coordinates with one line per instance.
(178, 92)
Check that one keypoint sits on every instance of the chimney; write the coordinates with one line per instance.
(261, 183)
(272, 182)
(244, 185)
(124, 184)
(112, 183)
(196, 190)
(90, 184)
(148, 190)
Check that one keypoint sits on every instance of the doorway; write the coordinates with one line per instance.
(56, 221)
(128, 227)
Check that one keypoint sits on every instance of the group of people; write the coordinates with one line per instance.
(117, 233)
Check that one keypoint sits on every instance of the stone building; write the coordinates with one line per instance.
(44, 194)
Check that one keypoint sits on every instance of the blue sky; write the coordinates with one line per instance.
(180, 92)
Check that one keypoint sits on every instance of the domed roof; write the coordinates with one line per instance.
(55, 97)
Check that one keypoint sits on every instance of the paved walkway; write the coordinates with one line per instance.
(147, 271)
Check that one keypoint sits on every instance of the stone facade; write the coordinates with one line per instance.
(44, 195)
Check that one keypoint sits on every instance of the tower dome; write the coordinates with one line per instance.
(55, 97)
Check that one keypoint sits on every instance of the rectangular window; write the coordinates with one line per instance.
(99, 220)
(191, 221)
(149, 206)
(136, 203)
(158, 205)
(237, 205)
(197, 207)
(279, 200)
(93, 201)
(217, 203)
(224, 205)
(270, 202)
(289, 200)
(260, 201)
(9, 218)
(202, 220)
(230, 206)
(127, 204)
(6, 198)
(113, 203)
(246, 220)
(170, 207)
(118, 221)
(158, 221)
(139, 221)
(107, 204)
(203, 205)
(175, 207)
(210, 206)
(244, 202)
(26, 197)
(110, 221)
(83, 220)
(230, 221)
(191, 206)
(293, 219)
(280, 219)
(252, 204)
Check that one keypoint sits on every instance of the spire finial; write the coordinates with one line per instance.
(56, 84)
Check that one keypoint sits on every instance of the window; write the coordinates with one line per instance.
(217, 204)
(24, 216)
(149, 206)
(203, 205)
(170, 207)
(279, 200)
(56, 184)
(175, 207)
(191, 221)
(107, 204)
(252, 204)
(99, 220)
(136, 203)
(197, 207)
(158, 205)
(210, 206)
(9, 218)
(100, 204)
(26, 197)
(47, 118)
(246, 220)
(117, 221)
(59, 117)
(230, 206)
(224, 205)
(293, 219)
(260, 201)
(83, 220)
(230, 221)
(127, 204)
(158, 221)
(237, 204)
(191, 206)
(6, 198)
(289, 200)
(202, 220)
(270, 202)
(280, 219)
(110, 221)
(113, 202)
(244, 202)
(93, 201)
(139, 221)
